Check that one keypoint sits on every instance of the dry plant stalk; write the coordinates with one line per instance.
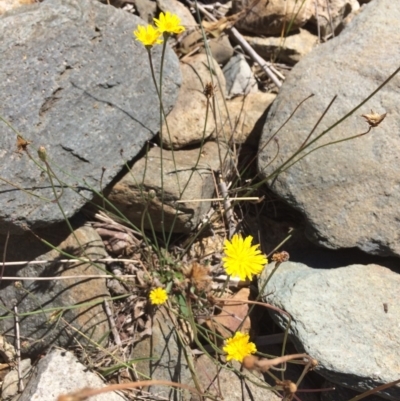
(85, 393)
(262, 365)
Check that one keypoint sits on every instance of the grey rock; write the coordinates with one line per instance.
(60, 373)
(347, 192)
(9, 388)
(74, 80)
(289, 50)
(156, 187)
(239, 77)
(339, 317)
(47, 302)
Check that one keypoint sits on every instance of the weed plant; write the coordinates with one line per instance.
(171, 279)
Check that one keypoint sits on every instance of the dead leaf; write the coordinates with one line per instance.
(232, 316)
(198, 276)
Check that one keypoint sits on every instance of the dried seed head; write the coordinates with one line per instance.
(22, 143)
(249, 362)
(209, 90)
(280, 257)
(288, 386)
(198, 275)
(374, 119)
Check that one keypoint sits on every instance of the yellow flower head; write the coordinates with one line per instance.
(169, 23)
(148, 35)
(158, 296)
(241, 258)
(238, 347)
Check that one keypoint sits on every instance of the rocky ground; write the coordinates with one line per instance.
(299, 151)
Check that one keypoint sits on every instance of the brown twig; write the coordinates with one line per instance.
(114, 330)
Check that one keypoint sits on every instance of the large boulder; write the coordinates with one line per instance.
(346, 318)
(348, 192)
(74, 80)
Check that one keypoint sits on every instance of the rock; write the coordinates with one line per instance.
(239, 77)
(232, 387)
(169, 363)
(329, 15)
(247, 115)
(147, 9)
(162, 357)
(142, 188)
(9, 388)
(345, 23)
(60, 373)
(289, 50)
(51, 298)
(339, 317)
(221, 49)
(175, 7)
(187, 119)
(7, 5)
(114, 3)
(190, 41)
(343, 189)
(74, 80)
(269, 17)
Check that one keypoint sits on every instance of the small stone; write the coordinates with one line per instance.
(60, 373)
(268, 17)
(141, 190)
(239, 77)
(289, 50)
(187, 120)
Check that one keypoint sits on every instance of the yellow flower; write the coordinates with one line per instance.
(241, 258)
(238, 346)
(169, 23)
(158, 296)
(148, 35)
